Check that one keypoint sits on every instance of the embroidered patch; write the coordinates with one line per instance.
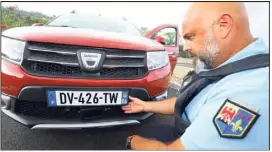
(233, 120)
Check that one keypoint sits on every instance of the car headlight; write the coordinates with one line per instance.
(156, 60)
(12, 49)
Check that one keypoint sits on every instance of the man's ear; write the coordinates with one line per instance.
(225, 23)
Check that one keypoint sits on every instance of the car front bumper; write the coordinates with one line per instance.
(30, 109)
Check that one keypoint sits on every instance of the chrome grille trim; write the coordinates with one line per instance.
(52, 51)
(125, 56)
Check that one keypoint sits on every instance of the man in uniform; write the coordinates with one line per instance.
(229, 114)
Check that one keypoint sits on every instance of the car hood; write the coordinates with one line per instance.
(83, 37)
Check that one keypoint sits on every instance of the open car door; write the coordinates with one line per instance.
(167, 35)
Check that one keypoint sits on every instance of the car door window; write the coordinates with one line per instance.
(169, 35)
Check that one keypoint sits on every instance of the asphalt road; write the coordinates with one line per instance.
(15, 136)
(188, 65)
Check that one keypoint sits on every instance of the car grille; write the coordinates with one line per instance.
(58, 60)
(41, 110)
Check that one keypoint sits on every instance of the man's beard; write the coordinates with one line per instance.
(204, 60)
(198, 65)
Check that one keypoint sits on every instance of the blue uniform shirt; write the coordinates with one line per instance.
(248, 89)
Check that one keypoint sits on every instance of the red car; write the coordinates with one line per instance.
(78, 70)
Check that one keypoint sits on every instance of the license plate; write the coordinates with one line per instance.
(87, 98)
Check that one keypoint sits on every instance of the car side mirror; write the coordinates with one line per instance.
(160, 40)
(37, 24)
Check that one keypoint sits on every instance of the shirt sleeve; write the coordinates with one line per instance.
(203, 135)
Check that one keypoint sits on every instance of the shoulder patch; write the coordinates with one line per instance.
(233, 120)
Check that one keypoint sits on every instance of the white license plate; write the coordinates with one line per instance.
(87, 98)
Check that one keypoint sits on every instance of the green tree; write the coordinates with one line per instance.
(182, 53)
(143, 30)
(13, 17)
(170, 38)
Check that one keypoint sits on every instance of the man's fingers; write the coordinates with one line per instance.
(129, 111)
(126, 108)
(131, 98)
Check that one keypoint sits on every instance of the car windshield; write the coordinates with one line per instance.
(96, 23)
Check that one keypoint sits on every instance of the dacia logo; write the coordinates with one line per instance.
(90, 60)
(90, 55)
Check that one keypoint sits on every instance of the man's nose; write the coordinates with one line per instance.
(186, 47)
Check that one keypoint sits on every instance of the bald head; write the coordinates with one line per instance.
(209, 12)
(215, 31)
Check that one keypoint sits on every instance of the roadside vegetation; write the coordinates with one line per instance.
(12, 17)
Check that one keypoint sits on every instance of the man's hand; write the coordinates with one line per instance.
(140, 143)
(162, 107)
(135, 105)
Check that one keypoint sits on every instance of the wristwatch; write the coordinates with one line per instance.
(128, 142)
